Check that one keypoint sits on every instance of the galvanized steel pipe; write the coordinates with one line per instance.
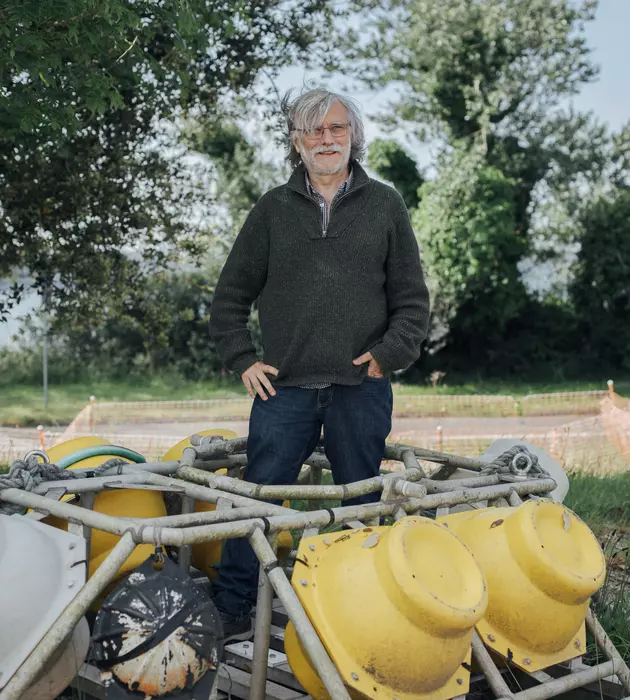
(570, 682)
(317, 654)
(24, 677)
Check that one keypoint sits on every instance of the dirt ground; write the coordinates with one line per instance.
(15, 442)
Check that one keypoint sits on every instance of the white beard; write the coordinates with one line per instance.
(318, 168)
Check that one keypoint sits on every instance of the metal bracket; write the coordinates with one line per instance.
(246, 650)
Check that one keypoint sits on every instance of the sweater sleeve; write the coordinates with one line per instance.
(240, 283)
(407, 299)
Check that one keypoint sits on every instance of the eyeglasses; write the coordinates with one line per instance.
(336, 131)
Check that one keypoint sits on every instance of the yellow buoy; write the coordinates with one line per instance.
(541, 564)
(395, 608)
(207, 555)
(129, 503)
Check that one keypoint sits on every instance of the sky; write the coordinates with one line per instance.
(608, 98)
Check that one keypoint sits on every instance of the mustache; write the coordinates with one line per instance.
(326, 149)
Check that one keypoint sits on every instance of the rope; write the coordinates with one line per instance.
(516, 464)
(26, 474)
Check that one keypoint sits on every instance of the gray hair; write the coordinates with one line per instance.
(308, 111)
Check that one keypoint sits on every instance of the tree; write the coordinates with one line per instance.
(488, 75)
(89, 196)
(472, 68)
(391, 162)
(471, 244)
(600, 290)
(241, 176)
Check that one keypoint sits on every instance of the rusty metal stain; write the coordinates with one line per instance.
(496, 523)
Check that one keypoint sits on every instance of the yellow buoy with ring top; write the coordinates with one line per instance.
(541, 564)
(207, 555)
(395, 608)
(90, 452)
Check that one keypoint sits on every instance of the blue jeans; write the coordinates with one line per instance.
(283, 432)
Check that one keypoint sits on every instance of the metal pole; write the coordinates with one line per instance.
(455, 484)
(452, 498)
(45, 364)
(603, 640)
(262, 632)
(185, 551)
(318, 655)
(45, 346)
(410, 461)
(100, 521)
(566, 683)
(310, 491)
(24, 677)
(491, 672)
(315, 479)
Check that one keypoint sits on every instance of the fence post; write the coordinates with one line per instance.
(42, 437)
(439, 432)
(92, 413)
(611, 388)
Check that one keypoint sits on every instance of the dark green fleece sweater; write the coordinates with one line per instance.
(325, 297)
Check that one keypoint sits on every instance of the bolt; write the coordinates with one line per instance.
(460, 681)
(326, 540)
(272, 655)
(577, 644)
(355, 676)
(71, 584)
(303, 581)
(527, 662)
(491, 637)
(311, 547)
(72, 545)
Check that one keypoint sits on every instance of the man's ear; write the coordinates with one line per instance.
(296, 143)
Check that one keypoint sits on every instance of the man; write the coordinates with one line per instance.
(333, 260)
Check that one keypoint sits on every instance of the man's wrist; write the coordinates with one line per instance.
(243, 363)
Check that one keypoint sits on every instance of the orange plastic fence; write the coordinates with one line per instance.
(587, 430)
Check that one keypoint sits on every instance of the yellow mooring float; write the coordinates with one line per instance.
(395, 608)
(91, 452)
(207, 555)
(541, 565)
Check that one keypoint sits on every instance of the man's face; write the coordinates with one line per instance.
(327, 154)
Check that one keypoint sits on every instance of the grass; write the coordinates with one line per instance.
(21, 405)
(604, 504)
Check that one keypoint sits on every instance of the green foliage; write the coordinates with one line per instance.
(92, 189)
(241, 177)
(601, 501)
(392, 163)
(472, 66)
(600, 290)
(471, 246)
(161, 325)
(64, 61)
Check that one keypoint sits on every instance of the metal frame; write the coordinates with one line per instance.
(241, 513)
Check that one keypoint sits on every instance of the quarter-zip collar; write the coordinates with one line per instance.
(344, 211)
